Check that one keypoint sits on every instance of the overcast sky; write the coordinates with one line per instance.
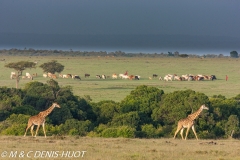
(188, 17)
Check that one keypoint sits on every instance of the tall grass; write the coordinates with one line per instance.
(116, 90)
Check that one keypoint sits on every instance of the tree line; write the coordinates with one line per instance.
(147, 112)
(35, 52)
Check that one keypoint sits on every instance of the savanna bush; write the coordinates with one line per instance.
(15, 129)
(109, 132)
(75, 127)
(122, 131)
(14, 125)
(126, 132)
(150, 131)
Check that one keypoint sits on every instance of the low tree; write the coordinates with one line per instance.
(19, 67)
(183, 55)
(144, 99)
(177, 105)
(52, 67)
(170, 54)
(234, 54)
(232, 125)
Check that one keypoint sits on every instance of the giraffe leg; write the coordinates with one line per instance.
(43, 125)
(27, 130)
(187, 132)
(178, 129)
(32, 130)
(194, 132)
(37, 130)
(181, 132)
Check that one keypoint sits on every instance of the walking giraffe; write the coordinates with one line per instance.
(40, 120)
(189, 122)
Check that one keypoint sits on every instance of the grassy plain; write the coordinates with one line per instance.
(116, 90)
(117, 148)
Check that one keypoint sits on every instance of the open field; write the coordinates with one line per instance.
(16, 147)
(116, 90)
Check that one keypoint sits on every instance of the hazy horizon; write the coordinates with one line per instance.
(126, 43)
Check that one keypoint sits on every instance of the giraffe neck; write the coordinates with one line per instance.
(195, 114)
(47, 112)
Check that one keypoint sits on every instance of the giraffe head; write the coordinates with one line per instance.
(204, 107)
(56, 105)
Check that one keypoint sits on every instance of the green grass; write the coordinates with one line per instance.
(116, 90)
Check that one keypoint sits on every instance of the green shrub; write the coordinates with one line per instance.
(149, 130)
(110, 132)
(126, 132)
(14, 125)
(73, 132)
(75, 127)
(93, 134)
(15, 129)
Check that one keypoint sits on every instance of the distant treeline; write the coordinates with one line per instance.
(147, 112)
(33, 52)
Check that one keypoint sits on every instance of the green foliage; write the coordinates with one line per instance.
(55, 88)
(60, 115)
(10, 102)
(126, 132)
(178, 105)
(4, 114)
(232, 125)
(219, 96)
(234, 54)
(218, 130)
(21, 65)
(10, 98)
(53, 130)
(14, 125)
(183, 55)
(150, 131)
(109, 132)
(129, 119)
(87, 109)
(122, 131)
(52, 67)
(37, 95)
(9, 92)
(144, 100)
(145, 113)
(105, 111)
(223, 108)
(75, 127)
(100, 128)
(27, 109)
(15, 129)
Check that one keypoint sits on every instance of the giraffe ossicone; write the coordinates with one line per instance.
(39, 120)
(189, 123)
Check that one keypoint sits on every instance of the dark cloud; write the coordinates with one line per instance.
(216, 17)
(127, 25)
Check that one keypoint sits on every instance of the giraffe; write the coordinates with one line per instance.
(189, 122)
(39, 119)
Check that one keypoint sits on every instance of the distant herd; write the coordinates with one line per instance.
(187, 77)
(168, 77)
